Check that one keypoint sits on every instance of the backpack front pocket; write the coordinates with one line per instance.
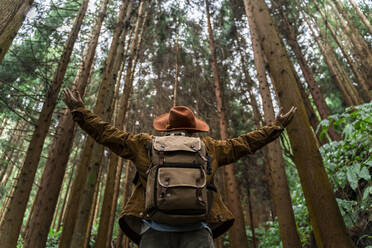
(181, 191)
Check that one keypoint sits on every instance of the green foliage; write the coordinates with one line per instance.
(53, 238)
(270, 236)
(349, 162)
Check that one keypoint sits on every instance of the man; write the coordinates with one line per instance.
(135, 221)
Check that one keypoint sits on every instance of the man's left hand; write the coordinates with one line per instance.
(285, 119)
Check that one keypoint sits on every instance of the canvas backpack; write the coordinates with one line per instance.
(176, 191)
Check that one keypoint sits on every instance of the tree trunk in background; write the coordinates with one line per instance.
(4, 121)
(11, 224)
(7, 155)
(263, 152)
(12, 15)
(362, 17)
(279, 190)
(7, 199)
(103, 109)
(115, 197)
(122, 241)
(364, 52)
(176, 77)
(103, 237)
(59, 216)
(317, 189)
(12, 157)
(51, 181)
(95, 206)
(313, 87)
(361, 80)
(237, 233)
(313, 118)
(348, 90)
(86, 198)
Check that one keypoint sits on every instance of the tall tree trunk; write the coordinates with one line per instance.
(12, 15)
(7, 155)
(176, 76)
(11, 224)
(95, 206)
(122, 241)
(4, 121)
(346, 87)
(237, 233)
(279, 191)
(259, 122)
(103, 108)
(59, 217)
(313, 87)
(318, 192)
(364, 52)
(104, 236)
(362, 17)
(115, 197)
(51, 181)
(361, 80)
(85, 205)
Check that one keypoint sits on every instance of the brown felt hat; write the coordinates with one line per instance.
(179, 118)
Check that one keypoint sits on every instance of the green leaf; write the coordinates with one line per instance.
(352, 177)
(364, 173)
(369, 163)
(367, 192)
(348, 130)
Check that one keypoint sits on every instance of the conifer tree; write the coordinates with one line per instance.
(13, 216)
(314, 180)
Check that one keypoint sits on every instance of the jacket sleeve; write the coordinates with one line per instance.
(230, 150)
(124, 144)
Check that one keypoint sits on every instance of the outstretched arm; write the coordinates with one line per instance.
(123, 143)
(230, 150)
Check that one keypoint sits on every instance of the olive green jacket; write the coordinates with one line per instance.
(135, 148)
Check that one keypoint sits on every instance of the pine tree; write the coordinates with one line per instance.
(237, 234)
(51, 182)
(11, 224)
(12, 15)
(307, 158)
(279, 190)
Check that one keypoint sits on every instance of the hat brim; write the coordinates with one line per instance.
(161, 122)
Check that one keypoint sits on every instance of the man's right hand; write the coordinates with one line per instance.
(72, 99)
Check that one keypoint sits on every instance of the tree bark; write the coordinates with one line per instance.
(358, 76)
(7, 156)
(362, 17)
(313, 87)
(63, 207)
(12, 15)
(122, 241)
(51, 181)
(279, 190)
(86, 198)
(10, 226)
(175, 86)
(364, 52)
(348, 90)
(102, 108)
(237, 233)
(95, 206)
(318, 192)
(104, 236)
